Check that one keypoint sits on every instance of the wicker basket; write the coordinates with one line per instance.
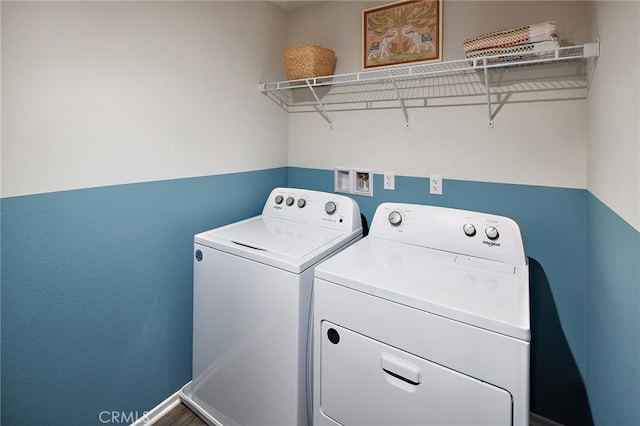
(308, 61)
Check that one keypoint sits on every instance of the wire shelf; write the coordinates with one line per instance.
(563, 73)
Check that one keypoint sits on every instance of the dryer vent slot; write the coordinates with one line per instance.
(248, 246)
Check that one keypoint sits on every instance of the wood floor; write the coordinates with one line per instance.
(180, 416)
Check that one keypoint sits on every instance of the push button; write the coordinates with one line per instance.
(333, 336)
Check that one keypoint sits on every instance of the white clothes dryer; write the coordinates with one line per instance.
(424, 322)
(251, 307)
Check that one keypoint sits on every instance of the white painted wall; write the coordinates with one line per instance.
(614, 110)
(103, 93)
(1, 126)
(338, 24)
(532, 143)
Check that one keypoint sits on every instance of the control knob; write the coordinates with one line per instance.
(290, 201)
(469, 229)
(395, 218)
(302, 202)
(279, 199)
(330, 207)
(492, 233)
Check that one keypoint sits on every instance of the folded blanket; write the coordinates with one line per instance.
(512, 36)
(517, 52)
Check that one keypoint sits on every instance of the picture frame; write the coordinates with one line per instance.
(401, 33)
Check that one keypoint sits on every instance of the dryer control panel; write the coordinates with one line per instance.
(314, 208)
(457, 231)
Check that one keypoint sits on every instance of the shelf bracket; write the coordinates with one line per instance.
(320, 106)
(486, 85)
(591, 50)
(404, 109)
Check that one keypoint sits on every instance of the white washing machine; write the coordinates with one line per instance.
(251, 303)
(424, 322)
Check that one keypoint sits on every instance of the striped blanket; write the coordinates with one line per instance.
(512, 37)
(518, 52)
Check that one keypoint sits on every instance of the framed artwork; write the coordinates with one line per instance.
(402, 33)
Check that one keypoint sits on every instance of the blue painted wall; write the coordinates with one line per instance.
(97, 293)
(613, 317)
(553, 222)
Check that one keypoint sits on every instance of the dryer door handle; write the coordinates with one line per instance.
(400, 369)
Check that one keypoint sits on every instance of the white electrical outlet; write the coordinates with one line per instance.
(435, 184)
(389, 181)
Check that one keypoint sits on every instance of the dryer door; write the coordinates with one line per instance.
(366, 382)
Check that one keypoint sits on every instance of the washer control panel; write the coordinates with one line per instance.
(457, 231)
(314, 208)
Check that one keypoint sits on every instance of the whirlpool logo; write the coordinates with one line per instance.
(491, 243)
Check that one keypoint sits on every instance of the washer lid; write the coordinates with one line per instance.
(479, 292)
(281, 243)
